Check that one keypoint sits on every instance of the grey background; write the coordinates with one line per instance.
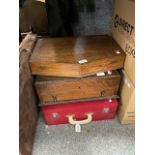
(97, 22)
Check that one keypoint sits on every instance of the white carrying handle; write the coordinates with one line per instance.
(72, 120)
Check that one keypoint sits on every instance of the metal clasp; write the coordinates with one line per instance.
(105, 110)
(103, 93)
(54, 115)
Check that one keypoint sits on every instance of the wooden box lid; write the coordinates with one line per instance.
(75, 57)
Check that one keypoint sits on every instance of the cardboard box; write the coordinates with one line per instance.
(126, 111)
(123, 32)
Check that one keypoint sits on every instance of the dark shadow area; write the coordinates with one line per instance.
(59, 18)
(63, 13)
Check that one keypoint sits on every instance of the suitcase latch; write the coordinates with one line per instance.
(55, 115)
(105, 110)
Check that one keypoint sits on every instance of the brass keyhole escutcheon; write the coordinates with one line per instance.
(54, 98)
(103, 93)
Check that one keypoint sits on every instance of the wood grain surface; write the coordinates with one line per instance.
(56, 89)
(61, 56)
(28, 113)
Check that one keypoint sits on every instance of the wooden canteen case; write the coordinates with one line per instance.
(55, 89)
(75, 57)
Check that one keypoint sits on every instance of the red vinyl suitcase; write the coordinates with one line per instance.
(80, 112)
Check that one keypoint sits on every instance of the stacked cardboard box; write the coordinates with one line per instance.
(127, 106)
(123, 32)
